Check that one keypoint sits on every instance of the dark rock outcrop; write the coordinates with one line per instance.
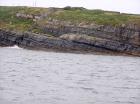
(127, 34)
(99, 41)
(43, 42)
(103, 43)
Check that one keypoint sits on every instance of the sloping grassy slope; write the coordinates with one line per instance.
(8, 19)
(96, 16)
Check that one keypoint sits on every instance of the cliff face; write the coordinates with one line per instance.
(111, 45)
(124, 38)
(71, 29)
(75, 41)
(43, 42)
(127, 34)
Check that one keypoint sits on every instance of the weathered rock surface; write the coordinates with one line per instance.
(127, 34)
(103, 43)
(38, 41)
(75, 41)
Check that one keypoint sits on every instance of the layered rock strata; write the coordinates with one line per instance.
(72, 42)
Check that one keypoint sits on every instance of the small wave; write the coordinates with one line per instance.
(15, 46)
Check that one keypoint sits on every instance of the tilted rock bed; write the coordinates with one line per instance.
(67, 42)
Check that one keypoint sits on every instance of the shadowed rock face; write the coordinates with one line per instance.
(104, 43)
(36, 41)
(127, 34)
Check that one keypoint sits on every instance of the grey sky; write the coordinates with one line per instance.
(125, 6)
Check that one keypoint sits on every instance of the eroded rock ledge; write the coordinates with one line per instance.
(67, 42)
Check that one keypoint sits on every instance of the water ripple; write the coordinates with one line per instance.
(36, 77)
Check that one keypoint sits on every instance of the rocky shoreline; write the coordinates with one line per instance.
(70, 29)
(70, 42)
(43, 42)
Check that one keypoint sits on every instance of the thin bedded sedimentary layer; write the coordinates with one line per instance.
(67, 42)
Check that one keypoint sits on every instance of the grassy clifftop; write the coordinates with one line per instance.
(9, 19)
(96, 16)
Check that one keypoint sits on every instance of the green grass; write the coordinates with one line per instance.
(8, 19)
(96, 16)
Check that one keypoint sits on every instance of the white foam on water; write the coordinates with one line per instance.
(15, 46)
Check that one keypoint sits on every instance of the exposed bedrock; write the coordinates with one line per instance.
(70, 42)
(127, 34)
(38, 41)
(103, 43)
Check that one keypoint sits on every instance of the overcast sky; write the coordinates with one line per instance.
(125, 6)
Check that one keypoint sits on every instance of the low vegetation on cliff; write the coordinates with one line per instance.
(27, 18)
